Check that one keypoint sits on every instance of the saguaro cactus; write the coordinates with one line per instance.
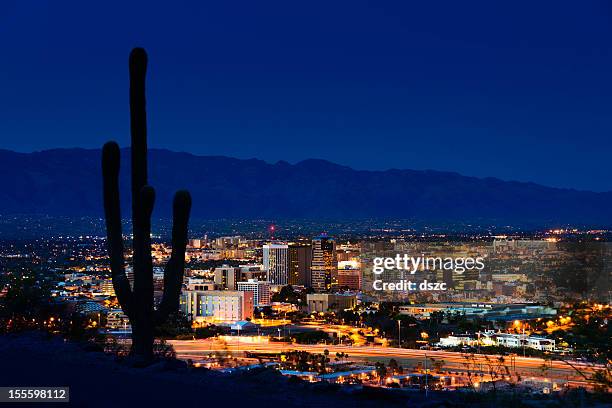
(137, 302)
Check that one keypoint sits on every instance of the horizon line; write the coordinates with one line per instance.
(282, 161)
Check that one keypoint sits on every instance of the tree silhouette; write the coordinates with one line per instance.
(137, 302)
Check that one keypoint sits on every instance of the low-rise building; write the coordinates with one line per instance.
(458, 340)
(217, 305)
(481, 310)
(490, 338)
(328, 302)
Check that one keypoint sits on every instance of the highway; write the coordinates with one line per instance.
(451, 361)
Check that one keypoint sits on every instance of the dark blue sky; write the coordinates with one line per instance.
(516, 90)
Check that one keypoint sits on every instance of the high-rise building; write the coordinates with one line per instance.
(458, 281)
(217, 305)
(260, 290)
(300, 261)
(276, 263)
(324, 269)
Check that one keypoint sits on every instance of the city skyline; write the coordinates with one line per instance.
(306, 282)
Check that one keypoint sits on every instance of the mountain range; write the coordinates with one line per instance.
(68, 182)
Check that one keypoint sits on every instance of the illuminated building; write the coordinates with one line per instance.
(324, 270)
(490, 338)
(116, 319)
(195, 243)
(327, 302)
(276, 263)
(227, 276)
(300, 260)
(106, 287)
(228, 242)
(252, 272)
(349, 275)
(217, 305)
(199, 284)
(260, 290)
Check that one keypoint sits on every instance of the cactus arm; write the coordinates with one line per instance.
(175, 268)
(112, 213)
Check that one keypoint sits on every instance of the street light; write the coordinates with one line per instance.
(426, 377)
(399, 333)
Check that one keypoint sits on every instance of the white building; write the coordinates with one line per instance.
(217, 305)
(276, 263)
(508, 340)
(540, 343)
(260, 290)
(457, 340)
(490, 338)
(519, 340)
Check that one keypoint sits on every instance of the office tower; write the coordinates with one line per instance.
(276, 263)
(300, 260)
(227, 276)
(324, 269)
(458, 281)
(217, 305)
(445, 276)
(260, 290)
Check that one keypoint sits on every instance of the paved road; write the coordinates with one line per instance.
(525, 366)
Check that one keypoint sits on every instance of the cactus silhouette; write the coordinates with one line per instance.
(137, 302)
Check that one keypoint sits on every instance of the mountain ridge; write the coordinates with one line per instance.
(68, 182)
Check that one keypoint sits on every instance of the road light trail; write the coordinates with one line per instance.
(453, 361)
